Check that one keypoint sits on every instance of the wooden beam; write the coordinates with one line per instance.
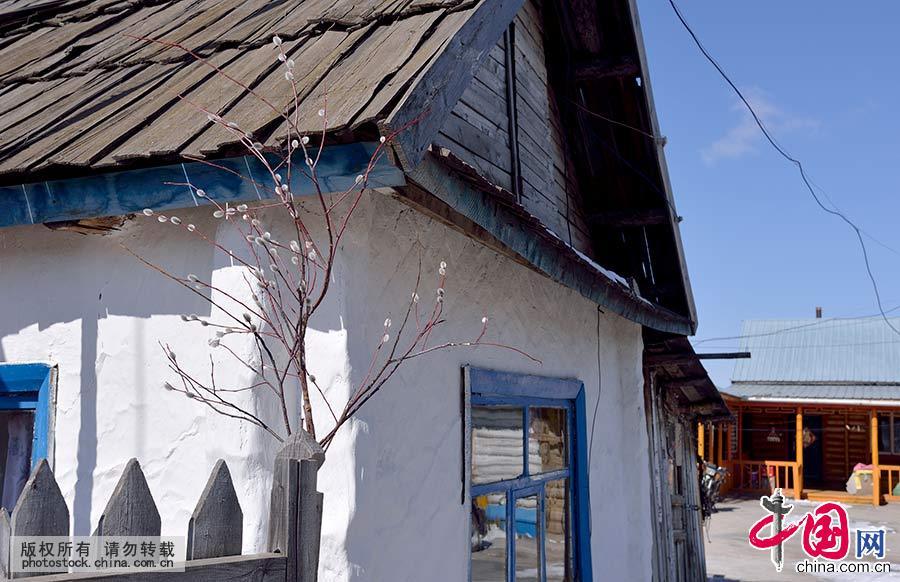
(657, 360)
(876, 471)
(606, 68)
(120, 193)
(798, 477)
(630, 218)
(701, 441)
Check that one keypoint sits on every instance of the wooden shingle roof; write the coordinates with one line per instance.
(82, 89)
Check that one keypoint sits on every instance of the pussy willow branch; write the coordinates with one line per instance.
(301, 272)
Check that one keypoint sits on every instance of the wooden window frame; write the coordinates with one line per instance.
(483, 387)
(893, 417)
(32, 386)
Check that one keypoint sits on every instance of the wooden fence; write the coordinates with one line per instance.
(764, 476)
(214, 531)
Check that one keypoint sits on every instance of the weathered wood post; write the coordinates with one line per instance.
(295, 512)
(130, 510)
(40, 510)
(216, 526)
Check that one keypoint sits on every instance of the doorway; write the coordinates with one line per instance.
(812, 451)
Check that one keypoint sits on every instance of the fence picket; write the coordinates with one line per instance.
(130, 510)
(41, 509)
(216, 526)
(4, 543)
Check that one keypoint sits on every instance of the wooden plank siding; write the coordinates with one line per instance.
(477, 131)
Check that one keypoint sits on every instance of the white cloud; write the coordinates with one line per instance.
(746, 137)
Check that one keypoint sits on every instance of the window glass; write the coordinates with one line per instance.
(547, 440)
(557, 528)
(16, 436)
(498, 438)
(896, 418)
(528, 558)
(884, 433)
(489, 538)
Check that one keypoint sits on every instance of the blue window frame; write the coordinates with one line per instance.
(537, 509)
(29, 387)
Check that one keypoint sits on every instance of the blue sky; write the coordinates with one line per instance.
(825, 77)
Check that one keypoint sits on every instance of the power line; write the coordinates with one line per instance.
(765, 131)
(836, 320)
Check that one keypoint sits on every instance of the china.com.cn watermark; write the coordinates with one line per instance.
(825, 539)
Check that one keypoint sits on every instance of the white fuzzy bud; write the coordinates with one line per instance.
(148, 212)
(191, 228)
(295, 246)
(387, 322)
(219, 214)
(274, 267)
(295, 260)
(304, 140)
(201, 193)
(385, 338)
(175, 220)
(415, 297)
(161, 218)
(359, 179)
(290, 64)
(282, 57)
(232, 125)
(288, 76)
(276, 40)
(484, 320)
(382, 140)
(295, 144)
(309, 162)
(312, 255)
(193, 278)
(241, 208)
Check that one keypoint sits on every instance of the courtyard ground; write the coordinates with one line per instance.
(730, 558)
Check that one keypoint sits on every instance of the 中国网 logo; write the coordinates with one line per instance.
(825, 532)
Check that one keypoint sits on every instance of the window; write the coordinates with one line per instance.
(25, 420)
(526, 471)
(889, 433)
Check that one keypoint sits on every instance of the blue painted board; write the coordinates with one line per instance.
(118, 193)
(28, 387)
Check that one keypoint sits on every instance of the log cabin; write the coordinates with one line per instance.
(817, 398)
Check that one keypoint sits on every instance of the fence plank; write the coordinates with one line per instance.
(310, 535)
(216, 527)
(4, 543)
(255, 568)
(41, 509)
(298, 447)
(130, 510)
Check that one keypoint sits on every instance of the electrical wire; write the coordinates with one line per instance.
(856, 320)
(778, 148)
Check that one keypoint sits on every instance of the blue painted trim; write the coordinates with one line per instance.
(28, 387)
(518, 483)
(130, 191)
(490, 387)
(582, 497)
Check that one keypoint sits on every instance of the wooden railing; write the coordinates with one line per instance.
(764, 476)
(890, 477)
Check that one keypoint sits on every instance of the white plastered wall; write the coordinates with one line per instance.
(392, 478)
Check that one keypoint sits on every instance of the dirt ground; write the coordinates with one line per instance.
(730, 558)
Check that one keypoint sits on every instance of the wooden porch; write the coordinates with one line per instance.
(807, 451)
